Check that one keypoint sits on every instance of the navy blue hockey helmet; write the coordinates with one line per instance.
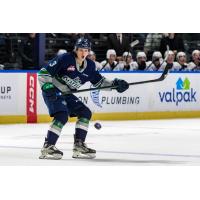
(83, 43)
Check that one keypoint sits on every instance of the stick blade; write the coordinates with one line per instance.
(134, 43)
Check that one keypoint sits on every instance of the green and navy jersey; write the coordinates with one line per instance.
(65, 73)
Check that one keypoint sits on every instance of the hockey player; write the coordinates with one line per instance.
(181, 61)
(110, 63)
(126, 64)
(61, 76)
(156, 63)
(140, 64)
(92, 56)
(194, 65)
(170, 62)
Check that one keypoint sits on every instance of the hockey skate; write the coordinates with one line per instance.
(50, 152)
(81, 151)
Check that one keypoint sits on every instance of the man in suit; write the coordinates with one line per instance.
(119, 42)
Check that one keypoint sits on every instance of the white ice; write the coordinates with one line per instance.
(144, 142)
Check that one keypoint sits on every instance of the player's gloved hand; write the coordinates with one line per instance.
(121, 85)
(49, 91)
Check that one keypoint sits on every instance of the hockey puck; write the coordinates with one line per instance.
(97, 125)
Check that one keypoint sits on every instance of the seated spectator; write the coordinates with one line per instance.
(92, 56)
(170, 62)
(119, 42)
(152, 43)
(174, 41)
(195, 63)
(140, 63)
(181, 61)
(110, 63)
(156, 63)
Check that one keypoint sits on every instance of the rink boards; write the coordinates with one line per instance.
(175, 97)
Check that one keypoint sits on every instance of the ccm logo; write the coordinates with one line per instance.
(31, 94)
(31, 98)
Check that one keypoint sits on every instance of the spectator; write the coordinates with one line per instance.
(156, 63)
(110, 63)
(181, 61)
(140, 63)
(174, 41)
(92, 56)
(195, 63)
(152, 43)
(27, 52)
(119, 42)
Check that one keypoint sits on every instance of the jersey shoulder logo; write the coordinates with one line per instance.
(71, 68)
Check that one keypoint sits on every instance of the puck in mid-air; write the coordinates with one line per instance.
(97, 125)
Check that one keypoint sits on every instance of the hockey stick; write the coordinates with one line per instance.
(131, 45)
(134, 43)
(161, 78)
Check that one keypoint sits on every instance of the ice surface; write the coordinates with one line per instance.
(143, 142)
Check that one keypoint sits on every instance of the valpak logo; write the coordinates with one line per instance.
(182, 93)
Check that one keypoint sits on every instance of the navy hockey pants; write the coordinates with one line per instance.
(69, 104)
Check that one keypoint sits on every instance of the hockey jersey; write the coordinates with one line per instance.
(123, 66)
(66, 75)
(151, 66)
(193, 67)
(174, 67)
(107, 67)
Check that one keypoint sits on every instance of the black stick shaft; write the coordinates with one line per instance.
(161, 78)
